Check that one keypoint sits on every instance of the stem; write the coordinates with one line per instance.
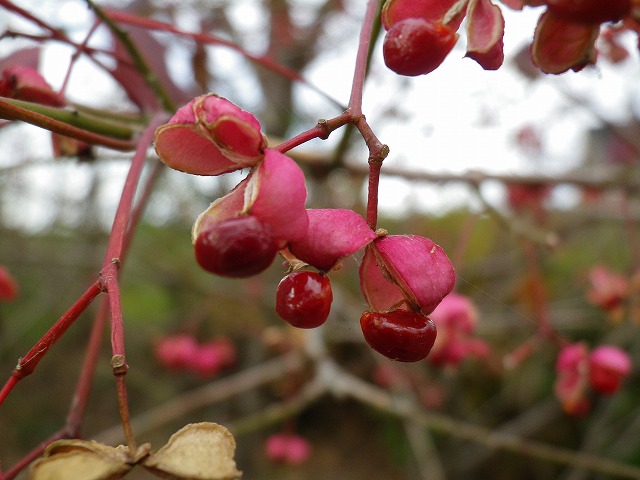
(357, 86)
(139, 61)
(322, 130)
(83, 387)
(27, 364)
(109, 274)
(10, 110)
(123, 212)
(85, 121)
(74, 58)
(33, 455)
(207, 39)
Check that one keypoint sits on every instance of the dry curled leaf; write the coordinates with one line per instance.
(198, 451)
(79, 459)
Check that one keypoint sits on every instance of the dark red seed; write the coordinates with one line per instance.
(239, 247)
(303, 299)
(402, 335)
(415, 47)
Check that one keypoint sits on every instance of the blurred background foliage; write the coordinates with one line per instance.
(57, 254)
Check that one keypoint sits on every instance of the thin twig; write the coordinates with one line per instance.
(141, 64)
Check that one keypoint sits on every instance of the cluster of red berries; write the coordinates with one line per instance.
(403, 278)
(182, 353)
(287, 448)
(421, 33)
(602, 370)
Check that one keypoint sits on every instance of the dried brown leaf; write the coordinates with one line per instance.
(198, 451)
(75, 459)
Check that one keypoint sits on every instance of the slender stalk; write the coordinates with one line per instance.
(109, 274)
(207, 39)
(322, 130)
(141, 64)
(10, 110)
(83, 120)
(27, 364)
(123, 213)
(85, 379)
(24, 462)
(357, 86)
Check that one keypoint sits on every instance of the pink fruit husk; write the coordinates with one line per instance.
(405, 267)
(432, 11)
(560, 45)
(570, 387)
(261, 195)
(276, 194)
(210, 136)
(485, 32)
(26, 83)
(332, 235)
(456, 311)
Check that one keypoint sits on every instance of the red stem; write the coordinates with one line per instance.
(377, 151)
(14, 112)
(33, 454)
(27, 364)
(85, 379)
(357, 86)
(126, 18)
(322, 130)
(123, 213)
(81, 48)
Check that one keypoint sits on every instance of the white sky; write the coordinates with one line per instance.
(457, 118)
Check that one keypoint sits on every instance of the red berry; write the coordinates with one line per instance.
(609, 367)
(9, 289)
(415, 47)
(303, 299)
(590, 11)
(402, 335)
(239, 247)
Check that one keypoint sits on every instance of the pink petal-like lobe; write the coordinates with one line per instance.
(224, 208)
(560, 45)
(432, 11)
(405, 267)
(210, 136)
(485, 32)
(276, 194)
(332, 235)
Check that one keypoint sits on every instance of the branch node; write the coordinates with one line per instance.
(119, 365)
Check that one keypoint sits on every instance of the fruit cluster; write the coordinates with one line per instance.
(287, 448)
(182, 353)
(456, 318)
(27, 84)
(421, 33)
(403, 278)
(601, 370)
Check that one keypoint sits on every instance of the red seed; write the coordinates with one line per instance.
(415, 47)
(239, 247)
(303, 299)
(402, 335)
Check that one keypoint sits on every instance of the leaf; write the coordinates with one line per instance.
(198, 451)
(79, 459)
